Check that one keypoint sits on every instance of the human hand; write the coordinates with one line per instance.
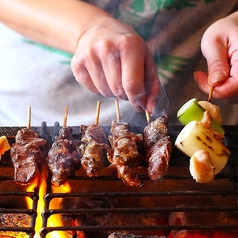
(113, 60)
(220, 48)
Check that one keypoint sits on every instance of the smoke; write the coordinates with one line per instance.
(162, 104)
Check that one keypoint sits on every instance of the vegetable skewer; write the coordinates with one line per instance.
(205, 146)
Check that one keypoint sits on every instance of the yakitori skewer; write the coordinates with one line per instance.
(27, 155)
(157, 146)
(63, 158)
(94, 146)
(124, 155)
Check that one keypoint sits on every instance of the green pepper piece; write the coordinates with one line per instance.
(192, 111)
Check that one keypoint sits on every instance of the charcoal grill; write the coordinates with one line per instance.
(102, 205)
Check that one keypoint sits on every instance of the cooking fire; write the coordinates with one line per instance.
(78, 192)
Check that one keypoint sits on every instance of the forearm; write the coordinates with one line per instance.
(57, 23)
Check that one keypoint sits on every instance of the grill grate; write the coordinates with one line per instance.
(102, 205)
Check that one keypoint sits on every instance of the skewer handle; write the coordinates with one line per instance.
(97, 112)
(210, 94)
(117, 110)
(65, 116)
(28, 117)
(147, 116)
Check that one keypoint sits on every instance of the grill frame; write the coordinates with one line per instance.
(178, 160)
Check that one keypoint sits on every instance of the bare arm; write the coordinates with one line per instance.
(57, 23)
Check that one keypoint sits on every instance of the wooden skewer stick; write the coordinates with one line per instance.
(97, 112)
(147, 116)
(210, 94)
(65, 116)
(117, 110)
(28, 117)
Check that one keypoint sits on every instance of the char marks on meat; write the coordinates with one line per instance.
(124, 154)
(63, 158)
(27, 156)
(93, 149)
(157, 147)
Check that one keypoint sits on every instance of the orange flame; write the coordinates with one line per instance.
(54, 220)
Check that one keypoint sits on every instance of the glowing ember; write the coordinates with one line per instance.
(201, 234)
(54, 220)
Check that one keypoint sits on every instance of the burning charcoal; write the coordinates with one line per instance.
(122, 219)
(202, 218)
(11, 221)
(121, 235)
(14, 220)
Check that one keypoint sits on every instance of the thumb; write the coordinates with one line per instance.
(217, 61)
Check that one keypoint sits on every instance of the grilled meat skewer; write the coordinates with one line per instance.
(27, 156)
(157, 147)
(93, 149)
(124, 154)
(63, 158)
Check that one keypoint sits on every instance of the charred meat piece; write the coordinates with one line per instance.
(63, 158)
(27, 156)
(93, 149)
(124, 154)
(157, 147)
(93, 133)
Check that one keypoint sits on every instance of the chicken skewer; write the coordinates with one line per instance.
(63, 158)
(124, 155)
(157, 146)
(94, 147)
(26, 154)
